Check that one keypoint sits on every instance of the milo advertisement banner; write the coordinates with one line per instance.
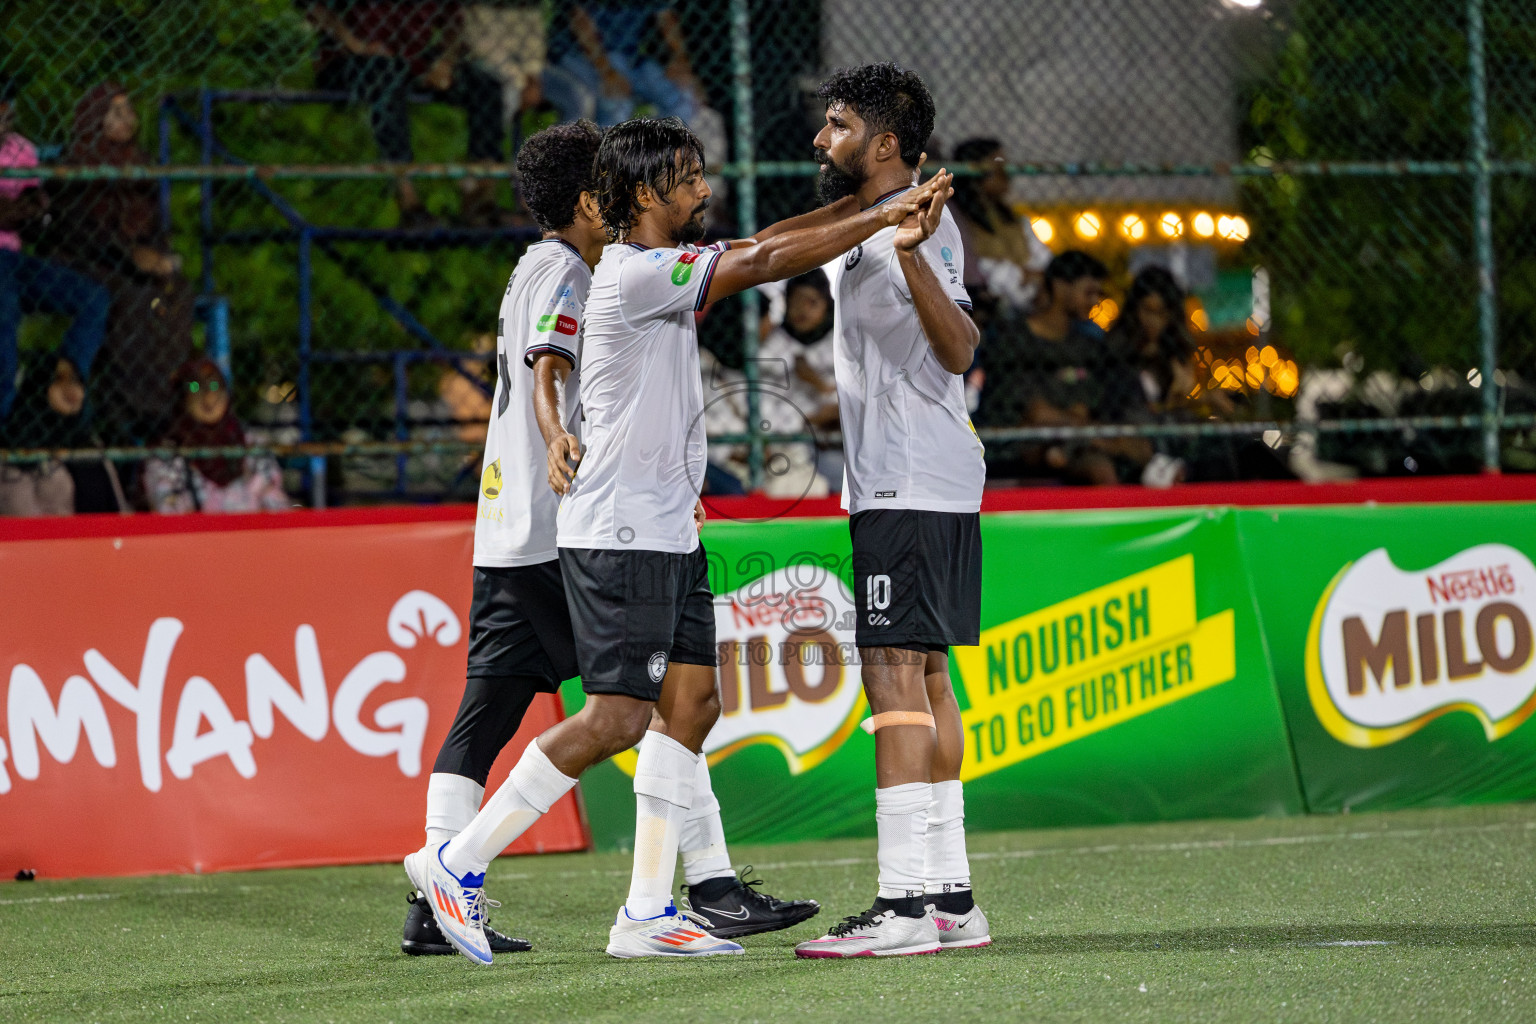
(1121, 676)
(1401, 640)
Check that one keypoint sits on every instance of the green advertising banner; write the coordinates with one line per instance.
(1401, 640)
(1121, 677)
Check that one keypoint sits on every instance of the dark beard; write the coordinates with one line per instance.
(693, 231)
(834, 183)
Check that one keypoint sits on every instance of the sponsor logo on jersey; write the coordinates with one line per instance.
(490, 481)
(1391, 650)
(854, 255)
(885, 494)
(1089, 663)
(948, 254)
(682, 270)
(657, 666)
(558, 323)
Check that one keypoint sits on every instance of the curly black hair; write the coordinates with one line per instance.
(554, 168)
(890, 99)
(652, 151)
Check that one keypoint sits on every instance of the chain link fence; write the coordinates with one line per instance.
(251, 251)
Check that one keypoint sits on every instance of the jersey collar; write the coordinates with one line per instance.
(562, 241)
(890, 195)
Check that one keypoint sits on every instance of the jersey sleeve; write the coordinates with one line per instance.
(558, 312)
(944, 252)
(660, 282)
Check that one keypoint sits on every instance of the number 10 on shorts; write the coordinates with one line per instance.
(878, 591)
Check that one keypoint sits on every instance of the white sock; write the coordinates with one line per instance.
(946, 867)
(664, 784)
(452, 802)
(703, 842)
(901, 821)
(530, 790)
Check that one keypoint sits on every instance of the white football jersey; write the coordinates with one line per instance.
(542, 311)
(642, 401)
(907, 439)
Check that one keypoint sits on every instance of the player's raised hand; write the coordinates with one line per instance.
(564, 456)
(920, 225)
(895, 211)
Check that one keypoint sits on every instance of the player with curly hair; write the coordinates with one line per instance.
(629, 549)
(902, 338)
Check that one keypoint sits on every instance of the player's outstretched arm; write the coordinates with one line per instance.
(550, 371)
(830, 214)
(798, 251)
(950, 331)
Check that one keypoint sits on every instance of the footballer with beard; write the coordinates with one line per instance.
(903, 337)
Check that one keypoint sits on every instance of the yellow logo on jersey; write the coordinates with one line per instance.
(490, 481)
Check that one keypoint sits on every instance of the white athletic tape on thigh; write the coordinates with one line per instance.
(674, 791)
(887, 718)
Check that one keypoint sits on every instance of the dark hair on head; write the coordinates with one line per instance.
(890, 99)
(1156, 355)
(554, 168)
(646, 151)
(1157, 281)
(1074, 265)
(816, 278)
(969, 198)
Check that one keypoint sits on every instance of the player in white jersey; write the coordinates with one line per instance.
(629, 547)
(902, 338)
(520, 639)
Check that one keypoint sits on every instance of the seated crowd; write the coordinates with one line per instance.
(96, 253)
(126, 372)
(594, 59)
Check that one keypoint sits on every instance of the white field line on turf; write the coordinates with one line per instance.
(73, 898)
(845, 862)
(1208, 844)
(1353, 942)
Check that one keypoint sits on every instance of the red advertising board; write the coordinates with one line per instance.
(207, 701)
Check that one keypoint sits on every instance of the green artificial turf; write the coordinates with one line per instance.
(1424, 915)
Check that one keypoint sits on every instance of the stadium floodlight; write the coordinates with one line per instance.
(1244, 5)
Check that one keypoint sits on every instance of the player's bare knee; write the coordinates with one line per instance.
(622, 718)
(889, 695)
(628, 733)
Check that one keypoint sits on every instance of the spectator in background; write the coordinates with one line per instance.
(110, 230)
(51, 412)
(377, 51)
(507, 39)
(1004, 259)
(601, 62)
(29, 285)
(205, 419)
(1055, 368)
(800, 349)
(1153, 328)
(803, 340)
